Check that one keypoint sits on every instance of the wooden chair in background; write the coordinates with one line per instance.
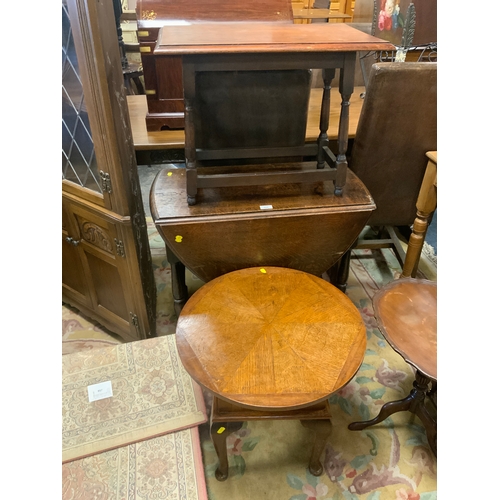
(426, 205)
(397, 126)
(406, 312)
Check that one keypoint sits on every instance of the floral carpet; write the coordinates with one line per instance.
(167, 467)
(152, 394)
(268, 459)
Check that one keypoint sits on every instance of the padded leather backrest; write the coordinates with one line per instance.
(397, 126)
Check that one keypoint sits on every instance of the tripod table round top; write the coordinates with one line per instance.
(406, 311)
(271, 338)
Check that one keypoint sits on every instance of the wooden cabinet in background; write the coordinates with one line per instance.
(107, 270)
(163, 79)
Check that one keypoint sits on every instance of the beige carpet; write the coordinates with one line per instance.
(168, 467)
(268, 459)
(79, 345)
(152, 395)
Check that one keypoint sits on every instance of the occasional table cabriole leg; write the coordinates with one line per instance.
(413, 403)
(322, 430)
(219, 432)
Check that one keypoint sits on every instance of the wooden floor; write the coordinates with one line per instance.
(174, 139)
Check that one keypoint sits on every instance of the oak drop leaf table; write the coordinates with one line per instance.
(270, 343)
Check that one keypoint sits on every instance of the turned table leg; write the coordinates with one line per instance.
(324, 121)
(322, 430)
(178, 276)
(189, 147)
(346, 88)
(219, 432)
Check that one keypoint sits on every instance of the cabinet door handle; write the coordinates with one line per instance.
(73, 242)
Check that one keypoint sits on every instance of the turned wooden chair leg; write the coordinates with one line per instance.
(219, 432)
(426, 204)
(322, 430)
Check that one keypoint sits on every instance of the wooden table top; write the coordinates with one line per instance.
(271, 338)
(406, 311)
(168, 197)
(241, 37)
(174, 139)
(318, 14)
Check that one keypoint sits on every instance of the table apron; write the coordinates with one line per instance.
(268, 61)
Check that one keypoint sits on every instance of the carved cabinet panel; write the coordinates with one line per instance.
(73, 275)
(98, 274)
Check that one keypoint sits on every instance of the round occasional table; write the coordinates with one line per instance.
(270, 342)
(406, 311)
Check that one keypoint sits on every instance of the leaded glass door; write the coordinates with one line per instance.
(107, 267)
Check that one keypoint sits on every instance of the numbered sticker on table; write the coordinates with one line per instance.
(99, 391)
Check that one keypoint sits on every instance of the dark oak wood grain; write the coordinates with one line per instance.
(246, 85)
(300, 226)
(158, 13)
(145, 140)
(265, 37)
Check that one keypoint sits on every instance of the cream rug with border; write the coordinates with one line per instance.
(168, 467)
(152, 394)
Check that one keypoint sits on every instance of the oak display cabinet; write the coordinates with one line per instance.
(107, 270)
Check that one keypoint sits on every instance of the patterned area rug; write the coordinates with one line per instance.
(79, 345)
(152, 395)
(164, 468)
(429, 252)
(268, 459)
